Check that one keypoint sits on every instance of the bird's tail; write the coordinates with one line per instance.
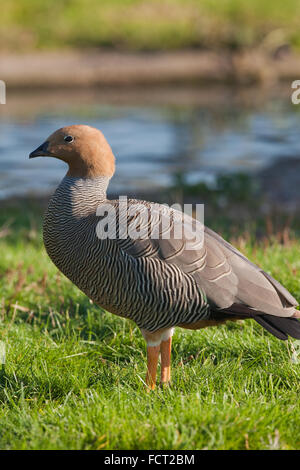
(280, 327)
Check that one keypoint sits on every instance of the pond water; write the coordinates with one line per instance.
(154, 142)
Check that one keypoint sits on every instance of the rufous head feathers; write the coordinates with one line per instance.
(83, 148)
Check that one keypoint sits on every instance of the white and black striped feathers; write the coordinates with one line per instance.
(158, 282)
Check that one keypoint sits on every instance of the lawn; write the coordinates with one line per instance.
(149, 24)
(74, 374)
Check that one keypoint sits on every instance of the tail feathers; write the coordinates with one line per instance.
(280, 327)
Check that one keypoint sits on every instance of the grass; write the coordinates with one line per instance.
(74, 374)
(149, 24)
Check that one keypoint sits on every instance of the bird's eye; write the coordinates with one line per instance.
(68, 138)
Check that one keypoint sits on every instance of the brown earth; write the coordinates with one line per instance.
(103, 68)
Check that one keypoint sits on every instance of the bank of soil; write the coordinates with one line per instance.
(103, 68)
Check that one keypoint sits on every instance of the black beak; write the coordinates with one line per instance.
(41, 151)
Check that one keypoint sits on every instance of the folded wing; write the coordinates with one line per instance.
(228, 279)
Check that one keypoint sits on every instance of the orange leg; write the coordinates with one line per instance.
(152, 361)
(165, 350)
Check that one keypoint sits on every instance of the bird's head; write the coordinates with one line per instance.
(83, 148)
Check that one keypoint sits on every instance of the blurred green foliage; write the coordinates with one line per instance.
(228, 188)
(149, 24)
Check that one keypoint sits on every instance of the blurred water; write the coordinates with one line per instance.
(152, 143)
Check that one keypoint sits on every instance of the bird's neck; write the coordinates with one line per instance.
(95, 187)
(83, 195)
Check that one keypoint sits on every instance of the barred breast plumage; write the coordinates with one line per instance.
(157, 281)
(140, 285)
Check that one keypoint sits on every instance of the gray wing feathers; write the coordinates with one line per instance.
(257, 289)
(224, 274)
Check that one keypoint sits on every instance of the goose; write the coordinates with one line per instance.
(159, 280)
